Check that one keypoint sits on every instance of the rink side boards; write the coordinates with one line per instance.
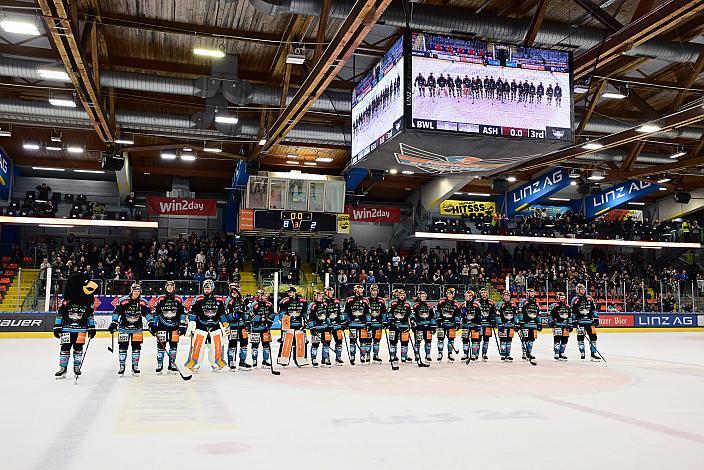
(40, 324)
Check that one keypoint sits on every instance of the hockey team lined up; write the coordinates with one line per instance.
(488, 89)
(237, 322)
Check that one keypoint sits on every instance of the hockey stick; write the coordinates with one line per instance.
(416, 352)
(80, 366)
(347, 347)
(184, 377)
(271, 362)
(525, 349)
(388, 344)
(111, 348)
(597, 351)
(496, 338)
(471, 343)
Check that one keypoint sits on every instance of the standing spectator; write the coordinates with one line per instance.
(43, 192)
(131, 203)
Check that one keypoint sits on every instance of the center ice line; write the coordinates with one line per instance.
(628, 420)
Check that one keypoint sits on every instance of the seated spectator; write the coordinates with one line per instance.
(131, 203)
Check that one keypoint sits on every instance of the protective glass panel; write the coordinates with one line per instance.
(278, 194)
(334, 196)
(297, 195)
(317, 196)
(258, 193)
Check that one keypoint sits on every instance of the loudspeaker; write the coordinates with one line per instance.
(499, 185)
(681, 197)
(253, 166)
(112, 162)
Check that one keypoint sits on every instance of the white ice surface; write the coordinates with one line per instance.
(643, 411)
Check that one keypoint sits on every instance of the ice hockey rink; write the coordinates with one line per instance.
(642, 411)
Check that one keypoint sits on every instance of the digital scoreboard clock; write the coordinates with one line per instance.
(295, 221)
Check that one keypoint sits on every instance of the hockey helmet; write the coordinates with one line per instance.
(208, 284)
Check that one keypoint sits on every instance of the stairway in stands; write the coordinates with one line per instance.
(248, 282)
(11, 302)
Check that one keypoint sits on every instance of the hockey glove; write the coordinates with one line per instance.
(152, 328)
(596, 322)
(540, 327)
(57, 332)
(113, 327)
(91, 332)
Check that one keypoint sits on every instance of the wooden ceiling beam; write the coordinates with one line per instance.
(190, 29)
(656, 169)
(692, 76)
(360, 20)
(591, 106)
(64, 35)
(535, 23)
(664, 18)
(322, 27)
(600, 15)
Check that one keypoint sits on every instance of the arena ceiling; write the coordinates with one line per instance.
(133, 74)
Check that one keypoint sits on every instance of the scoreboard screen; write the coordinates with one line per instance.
(471, 86)
(295, 221)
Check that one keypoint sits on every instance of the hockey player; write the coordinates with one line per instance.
(74, 321)
(514, 88)
(442, 82)
(399, 325)
(261, 316)
(467, 86)
(430, 83)
(558, 95)
(470, 328)
(458, 86)
(531, 93)
(585, 318)
(450, 85)
(540, 92)
(506, 324)
(206, 325)
(167, 323)
(548, 93)
(237, 314)
(293, 309)
(486, 315)
(561, 326)
(319, 329)
(377, 320)
(419, 82)
(424, 323)
(127, 319)
(505, 91)
(336, 321)
(357, 314)
(448, 318)
(530, 321)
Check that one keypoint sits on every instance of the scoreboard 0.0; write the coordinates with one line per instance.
(295, 221)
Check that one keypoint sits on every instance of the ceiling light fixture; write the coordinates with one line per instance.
(61, 102)
(224, 119)
(74, 149)
(678, 154)
(97, 172)
(55, 148)
(614, 95)
(19, 27)
(262, 142)
(188, 157)
(323, 159)
(5, 133)
(573, 183)
(511, 179)
(636, 203)
(393, 171)
(297, 57)
(211, 149)
(662, 188)
(46, 168)
(592, 146)
(596, 176)
(218, 53)
(310, 163)
(292, 162)
(665, 179)
(55, 137)
(53, 74)
(407, 172)
(479, 194)
(124, 140)
(168, 155)
(30, 146)
(561, 199)
(649, 128)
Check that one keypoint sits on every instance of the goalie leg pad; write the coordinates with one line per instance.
(286, 346)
